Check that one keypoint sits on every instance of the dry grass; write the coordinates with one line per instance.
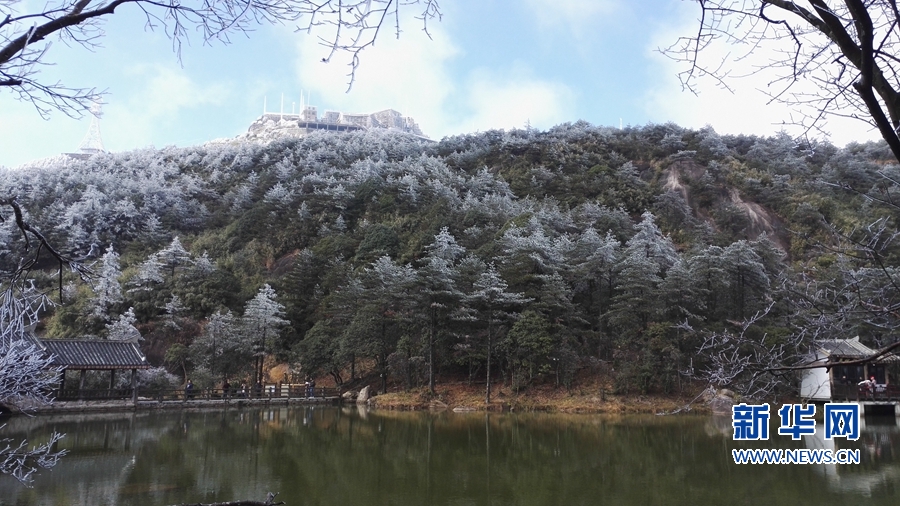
(589, 398)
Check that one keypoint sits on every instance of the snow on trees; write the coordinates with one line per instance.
(262, 324)
(107, 289)
(174, 256)
(123, 329)
(490, 298)
(27, 375)
(149, 274)
(437, 283)
(385, 299)
(221, 350)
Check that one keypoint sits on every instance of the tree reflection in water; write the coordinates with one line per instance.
(316, 455)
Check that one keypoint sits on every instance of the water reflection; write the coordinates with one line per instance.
(879, 468)
(352, 456)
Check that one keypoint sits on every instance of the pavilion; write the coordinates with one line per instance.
(94, 355)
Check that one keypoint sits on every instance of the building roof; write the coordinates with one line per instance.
(95, 354)
(850, 349)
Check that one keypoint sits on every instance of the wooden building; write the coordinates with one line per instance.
(84, 355)
(841, 382)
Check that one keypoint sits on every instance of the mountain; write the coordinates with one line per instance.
(377, 244)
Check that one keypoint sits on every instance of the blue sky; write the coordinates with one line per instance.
(490, 64)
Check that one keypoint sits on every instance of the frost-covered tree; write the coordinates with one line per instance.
(262, 324)
(593, 258)
(649, 241)
(148, 275)
(203, 265)
(123, 329)
(107, 289)
(221, 348)
(386, 297)
(489, 297)
(174, 309)
(174, 256)
(437, 284)
(27, 375)
(533, 250)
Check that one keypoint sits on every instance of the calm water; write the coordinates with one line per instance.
(348, 457)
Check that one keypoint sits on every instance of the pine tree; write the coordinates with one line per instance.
(386, 300)
(489, 295)
(637, 301)
(709, 279)
(149, 274)
(649, 241)
(749, 281)
(123, 329)
(221, 348)
(263, 322)
(437, 283)
(174, 256)
(107, 290)
(593, 258)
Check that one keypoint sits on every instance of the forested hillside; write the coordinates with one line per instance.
(639, 253)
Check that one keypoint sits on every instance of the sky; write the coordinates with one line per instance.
(489, 64)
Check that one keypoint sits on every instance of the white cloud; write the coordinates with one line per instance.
(23, 133)
(413, 75)
(409, 75)
(513, 99)
(577, 14)
(159, 95)
(747, 107)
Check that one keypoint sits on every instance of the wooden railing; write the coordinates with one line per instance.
(862, 393)
(266, 392)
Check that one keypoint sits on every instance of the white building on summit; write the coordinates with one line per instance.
(308, 120)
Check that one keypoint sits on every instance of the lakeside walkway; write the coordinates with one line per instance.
(150, 404)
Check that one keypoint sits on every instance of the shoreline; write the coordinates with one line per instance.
(456, 397)
(108, 406)
(465, 398)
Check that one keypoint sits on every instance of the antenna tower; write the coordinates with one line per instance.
(92, 142)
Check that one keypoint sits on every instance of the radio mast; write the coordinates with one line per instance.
(92, 142)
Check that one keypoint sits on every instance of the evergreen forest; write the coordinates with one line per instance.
(649, 255)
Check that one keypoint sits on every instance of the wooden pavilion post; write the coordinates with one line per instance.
(134, 395)
(81, 385)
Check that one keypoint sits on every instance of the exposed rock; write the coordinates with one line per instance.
(349, 395)
(720, 402)
(463, 409)
(363, 395)
(437, 405)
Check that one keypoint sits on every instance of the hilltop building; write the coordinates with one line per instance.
(308, 121)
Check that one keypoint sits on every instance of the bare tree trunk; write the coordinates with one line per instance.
(431, 353)
(487, 393)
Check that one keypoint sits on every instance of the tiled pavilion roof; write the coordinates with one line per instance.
(95, 354)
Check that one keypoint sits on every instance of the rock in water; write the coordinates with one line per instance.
(363, 396)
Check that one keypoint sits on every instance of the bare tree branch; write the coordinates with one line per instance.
(844, 48)
(350, 27)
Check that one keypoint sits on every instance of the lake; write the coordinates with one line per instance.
(350, 456)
